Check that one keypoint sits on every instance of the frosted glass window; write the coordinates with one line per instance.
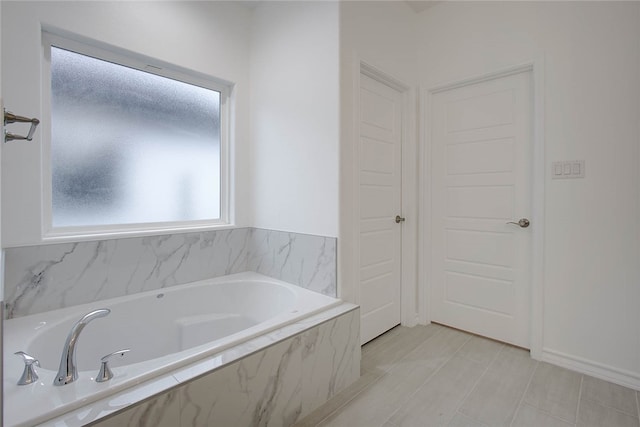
(130, 147)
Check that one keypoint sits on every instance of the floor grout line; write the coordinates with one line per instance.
(607, 405)
(524, 393)
(374, 382)
(462, 414)
(408, 342)
(544, 411)
(579, 398)
(439, 331)
(347, 401)
(428, 378)
(472, 389)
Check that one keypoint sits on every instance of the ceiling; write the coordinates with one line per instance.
(417, 5)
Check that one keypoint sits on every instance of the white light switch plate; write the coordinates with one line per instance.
(567, 169)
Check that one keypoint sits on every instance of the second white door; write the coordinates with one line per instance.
(480, 174)
(380, 198)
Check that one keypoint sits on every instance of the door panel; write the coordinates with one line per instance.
(480, 137)
(379, 175)
(490, 202)
(480, 157)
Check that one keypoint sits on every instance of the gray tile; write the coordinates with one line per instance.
(594, 414)
(430, 355)
(402, 342)
(460, 420)
(399, 334)
(528, 416)
(555, 390)
(481, 350)
(381, 342)
(498, 393)
(365, 381)
(435, 403)
(609, 394)
(375, 405)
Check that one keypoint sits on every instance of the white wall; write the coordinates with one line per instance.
(382, 34)
(295, 116)
(1, 252)
(592, 112)
(206, 37)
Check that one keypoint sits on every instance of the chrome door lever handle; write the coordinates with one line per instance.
(522, 222)
(399, 219)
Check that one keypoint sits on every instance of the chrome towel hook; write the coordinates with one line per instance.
(9, 117)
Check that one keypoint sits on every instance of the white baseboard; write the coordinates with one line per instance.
(589, 367)
(411, 321)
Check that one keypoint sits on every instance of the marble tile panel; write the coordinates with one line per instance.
(330, 359)
(279, 385)
(496, 397)
(303, 326)
(161, 411)
(554, 390)
(330, 324)
(341, 399)
(48, 277)
(609, 394)
(302, 259)
(263, 389)
(122, 401)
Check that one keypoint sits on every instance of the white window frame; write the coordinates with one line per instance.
(149, 65)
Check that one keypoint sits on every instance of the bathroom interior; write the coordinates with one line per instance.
(444, 166)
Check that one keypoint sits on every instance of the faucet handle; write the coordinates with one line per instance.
(105, 373)
(29, 374)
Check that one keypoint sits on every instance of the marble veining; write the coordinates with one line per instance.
(301, 259)
(48, 277)
(275, 380)
(280, 385)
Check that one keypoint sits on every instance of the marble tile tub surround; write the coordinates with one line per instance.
(273, 380)
(48, 277)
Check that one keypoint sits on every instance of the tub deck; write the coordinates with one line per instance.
(85, 400)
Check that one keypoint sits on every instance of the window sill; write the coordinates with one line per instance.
(87, 236)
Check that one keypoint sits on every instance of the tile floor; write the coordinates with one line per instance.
(437, 376)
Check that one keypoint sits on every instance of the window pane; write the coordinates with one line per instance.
(129, 146)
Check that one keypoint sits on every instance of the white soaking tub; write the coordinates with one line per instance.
(164, 329)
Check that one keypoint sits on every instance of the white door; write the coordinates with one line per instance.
(481, 153)
(380, 160)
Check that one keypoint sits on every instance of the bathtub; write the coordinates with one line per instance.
(164, 329)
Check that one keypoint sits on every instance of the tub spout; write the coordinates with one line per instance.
(68, 371)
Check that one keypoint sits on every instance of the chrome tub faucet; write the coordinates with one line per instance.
(68, 371)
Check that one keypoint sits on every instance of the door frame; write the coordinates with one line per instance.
(409, 307)
(536, 67)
